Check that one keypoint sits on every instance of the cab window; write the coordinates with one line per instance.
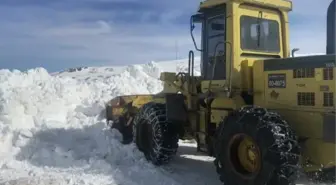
(215, 36)
(259, 34)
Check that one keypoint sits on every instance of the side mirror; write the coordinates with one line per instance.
(294, 50)
(197, 18)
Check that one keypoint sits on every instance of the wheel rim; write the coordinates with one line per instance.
(244, 155)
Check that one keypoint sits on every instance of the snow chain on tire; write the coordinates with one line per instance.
(276, 141)
(154, 135)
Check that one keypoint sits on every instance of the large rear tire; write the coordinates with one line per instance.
(154, 135)
(255, 146)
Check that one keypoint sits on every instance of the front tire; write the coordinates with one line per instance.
(255, 146)
(154, 135)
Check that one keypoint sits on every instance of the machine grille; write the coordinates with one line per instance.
(328, 73)
(306, 98)
(328, 99)
(304, 73)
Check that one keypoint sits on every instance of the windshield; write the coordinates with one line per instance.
(259, 34)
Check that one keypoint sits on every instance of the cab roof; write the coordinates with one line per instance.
(284, 5)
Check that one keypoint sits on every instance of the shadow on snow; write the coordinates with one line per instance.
(92, 149)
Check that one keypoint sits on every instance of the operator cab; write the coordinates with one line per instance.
(233, 30)
(212, 42)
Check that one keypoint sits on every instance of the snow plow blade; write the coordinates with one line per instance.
(120, 112)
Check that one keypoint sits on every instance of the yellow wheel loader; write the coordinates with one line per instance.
(263, 114)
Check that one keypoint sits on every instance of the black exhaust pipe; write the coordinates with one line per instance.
(331, 28)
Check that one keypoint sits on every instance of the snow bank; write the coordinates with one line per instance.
(51, 126)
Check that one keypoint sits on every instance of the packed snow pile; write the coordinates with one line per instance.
(53, 129)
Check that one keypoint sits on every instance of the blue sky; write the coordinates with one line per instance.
(57, 34)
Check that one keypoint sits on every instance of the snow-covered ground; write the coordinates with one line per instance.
(53, 130)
